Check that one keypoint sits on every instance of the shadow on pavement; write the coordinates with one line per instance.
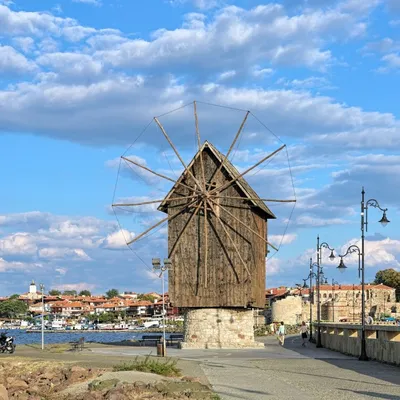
(373, 369)
(245, 391)
(373, 394)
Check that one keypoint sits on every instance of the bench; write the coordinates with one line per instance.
(78, 345)
(150, 338)
(177, 337)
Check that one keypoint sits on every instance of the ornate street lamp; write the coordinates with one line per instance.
(364, 227)
(310, 276)
(342, 268)
(158, 267)
(321, 246)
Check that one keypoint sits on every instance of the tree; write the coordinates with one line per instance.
(146, 297)
(12, 308)
(14, 297)
(70, 293)
(389, 277)
(84, 293)
(112, 293)
(54, 292)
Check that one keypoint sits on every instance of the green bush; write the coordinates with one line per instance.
(167, 368)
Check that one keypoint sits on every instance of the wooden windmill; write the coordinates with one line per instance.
(217, 230)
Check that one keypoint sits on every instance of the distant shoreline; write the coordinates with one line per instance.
(103, 331)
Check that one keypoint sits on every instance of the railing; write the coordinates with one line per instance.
(382, 341)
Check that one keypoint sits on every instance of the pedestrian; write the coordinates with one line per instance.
(272, 328)
(303, 330)
(281, 333)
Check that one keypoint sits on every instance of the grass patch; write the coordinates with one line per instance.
(167, 368)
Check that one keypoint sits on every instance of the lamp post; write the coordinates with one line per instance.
(361, 259)
(311, 275)
(342, 267)
(333, 298)
(42, 290)
(319, 261)
(162, 268)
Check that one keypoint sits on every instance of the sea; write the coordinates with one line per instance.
(22, 337)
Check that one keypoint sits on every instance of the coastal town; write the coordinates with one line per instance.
(130, 310)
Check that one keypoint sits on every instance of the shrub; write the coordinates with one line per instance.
(167, 368)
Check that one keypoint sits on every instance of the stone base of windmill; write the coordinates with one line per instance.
(219, 328)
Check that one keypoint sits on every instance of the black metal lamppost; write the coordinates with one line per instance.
(342, 267)
(319, 270)
(361, 260)
(310, 276)
(333, 298)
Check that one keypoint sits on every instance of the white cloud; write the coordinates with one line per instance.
(54, 253)
(14, 63)
(18, 244)
(61, 271)
(278, 239)
(259, 72)
(392, 61)
(273, 267)
(76, 286)
(310, 221)
(17, 266)
(26, 44)
(313, 82)
(226, 75)
(117, 240)
(378, 253)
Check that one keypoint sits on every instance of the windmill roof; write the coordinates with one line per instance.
(233, 173)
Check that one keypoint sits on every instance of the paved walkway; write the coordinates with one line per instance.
(291, 372)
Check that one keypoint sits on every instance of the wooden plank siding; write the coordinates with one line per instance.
(228, 283)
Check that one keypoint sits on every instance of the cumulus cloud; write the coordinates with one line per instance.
(17, 266)
(14, 63)
(117, 240)
(18, 244)
(382, 253)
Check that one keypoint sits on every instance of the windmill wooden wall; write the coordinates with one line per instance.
(226, 282)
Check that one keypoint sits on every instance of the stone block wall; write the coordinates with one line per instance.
(220, 328)
(289, 310)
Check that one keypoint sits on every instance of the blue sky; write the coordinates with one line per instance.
(80, 79)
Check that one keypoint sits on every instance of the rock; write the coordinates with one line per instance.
(76, 374)
(33, 390)
(3, 393)
(48, 376)
(76, 368)
(15, 384)
(102, 385)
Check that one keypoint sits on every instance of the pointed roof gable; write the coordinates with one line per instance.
(233, 173)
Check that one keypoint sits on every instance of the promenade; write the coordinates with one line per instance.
(291, 372)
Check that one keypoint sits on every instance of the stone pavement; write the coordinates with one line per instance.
(289, 372)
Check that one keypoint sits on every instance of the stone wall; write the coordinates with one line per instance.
(221, 328)
(382, 342)
(289, 310)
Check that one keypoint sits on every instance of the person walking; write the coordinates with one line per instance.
(303, 330)
(281, 333)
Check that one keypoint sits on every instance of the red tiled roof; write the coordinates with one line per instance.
(141, 303)
(276, 291)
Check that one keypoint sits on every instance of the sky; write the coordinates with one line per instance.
(80, 83)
